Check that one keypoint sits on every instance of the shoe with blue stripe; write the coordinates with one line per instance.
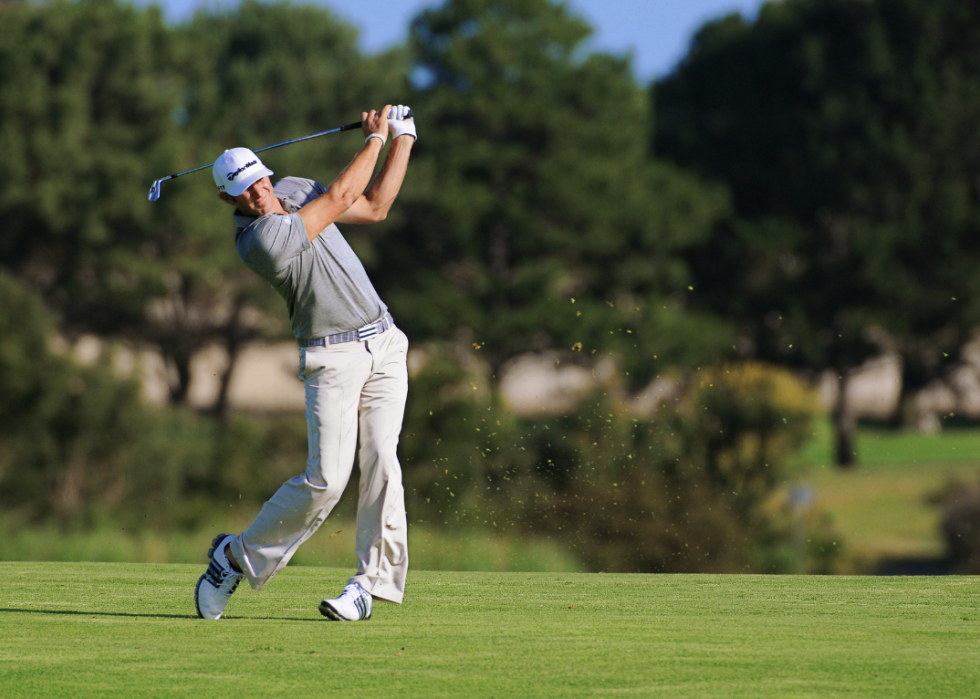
(353, 605)
(215, 587)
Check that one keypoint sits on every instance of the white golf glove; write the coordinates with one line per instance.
(401, 122)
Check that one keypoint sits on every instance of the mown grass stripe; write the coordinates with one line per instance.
(108, 630)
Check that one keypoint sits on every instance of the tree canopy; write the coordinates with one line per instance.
(846, 132)
(539, 221)
(539, 215)
(98, 99)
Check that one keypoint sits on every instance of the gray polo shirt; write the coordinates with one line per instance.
(323, 283)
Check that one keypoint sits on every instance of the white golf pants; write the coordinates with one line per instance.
(349, 386)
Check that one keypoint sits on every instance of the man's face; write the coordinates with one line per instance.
(257, 200)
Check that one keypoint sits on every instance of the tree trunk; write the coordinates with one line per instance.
(234, 338)
(845, 425)
(180, 381)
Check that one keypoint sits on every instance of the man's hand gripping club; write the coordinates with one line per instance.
(374, 204)
(350, 185)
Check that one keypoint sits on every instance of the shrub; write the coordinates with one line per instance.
(453, 439)
(76, 443)
(627, 499)
(685, 490)
(960, 525)
(741, 425)
(682, 491)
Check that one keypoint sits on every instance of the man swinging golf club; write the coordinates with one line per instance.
(351, 358)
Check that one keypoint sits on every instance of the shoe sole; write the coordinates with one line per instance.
(197, 603)
(332, 614)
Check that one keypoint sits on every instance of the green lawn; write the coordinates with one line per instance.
(125, 630)
(956, 446)
(881, 508)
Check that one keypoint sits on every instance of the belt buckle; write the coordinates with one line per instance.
(375, 328)
(368, 331)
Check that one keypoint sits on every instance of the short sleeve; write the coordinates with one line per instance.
(270, 242)
(296, 192)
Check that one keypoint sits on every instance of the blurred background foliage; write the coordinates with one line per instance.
(847, 135)
(798, 196)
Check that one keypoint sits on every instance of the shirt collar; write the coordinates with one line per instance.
(243, 221)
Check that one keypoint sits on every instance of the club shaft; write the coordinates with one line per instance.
(346, 127)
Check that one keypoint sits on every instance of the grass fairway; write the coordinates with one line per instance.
(881, 507)
(125, 630)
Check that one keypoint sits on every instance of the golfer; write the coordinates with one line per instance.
(351, 358)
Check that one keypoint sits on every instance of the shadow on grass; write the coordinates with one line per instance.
(152, 616)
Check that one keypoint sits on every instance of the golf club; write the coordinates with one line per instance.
(155, 187)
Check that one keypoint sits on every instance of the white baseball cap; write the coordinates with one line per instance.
(237, 170)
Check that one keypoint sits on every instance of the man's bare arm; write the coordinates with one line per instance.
(373, 205)
(350, 184)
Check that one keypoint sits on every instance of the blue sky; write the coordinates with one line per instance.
(656, 31)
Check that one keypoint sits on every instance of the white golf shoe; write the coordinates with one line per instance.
(214, 588)
(354, 604)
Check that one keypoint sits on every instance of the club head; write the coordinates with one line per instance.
(155, 190)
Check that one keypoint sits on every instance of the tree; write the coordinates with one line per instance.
(87, 103)
(534, 219)
(845, 132)
(258, 75)
(98, 99)
(76, 443)
(85, 114)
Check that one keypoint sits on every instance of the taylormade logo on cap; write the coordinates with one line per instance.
(237, 170)
(243, 168)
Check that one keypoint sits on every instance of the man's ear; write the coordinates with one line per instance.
(227, 198)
